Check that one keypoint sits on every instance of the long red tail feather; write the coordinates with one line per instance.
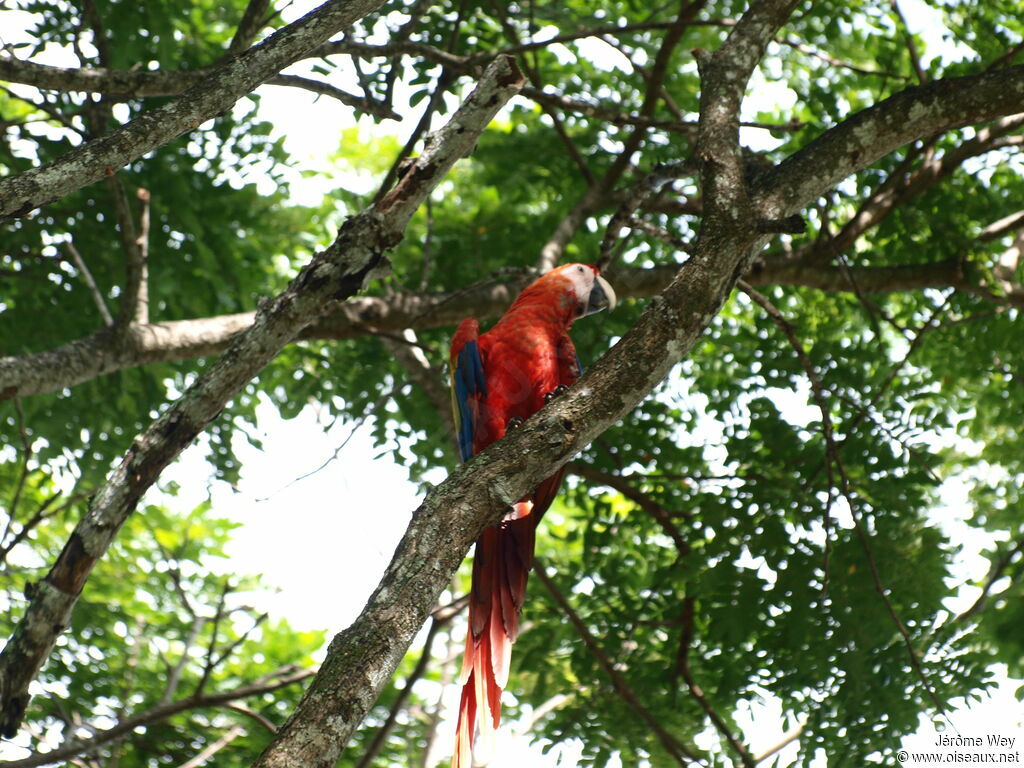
(501, 564)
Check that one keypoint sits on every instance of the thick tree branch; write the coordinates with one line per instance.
(362, 658)
(103, 353)
(903, 185)
(865, 137)
(334, 274)
(221, 88)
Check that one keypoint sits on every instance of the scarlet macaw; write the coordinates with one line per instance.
(498, 380)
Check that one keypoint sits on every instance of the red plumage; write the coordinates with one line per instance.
(497, 377)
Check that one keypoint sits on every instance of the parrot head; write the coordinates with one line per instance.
(579, 289)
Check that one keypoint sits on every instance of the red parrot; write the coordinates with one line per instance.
(498, 380)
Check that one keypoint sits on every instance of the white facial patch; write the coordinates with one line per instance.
(582, 278)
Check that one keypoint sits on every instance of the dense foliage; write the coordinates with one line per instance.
(768, 524)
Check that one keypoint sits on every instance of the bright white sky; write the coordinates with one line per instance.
(335, 532)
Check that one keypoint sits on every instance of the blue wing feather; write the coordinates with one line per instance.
(468, 387)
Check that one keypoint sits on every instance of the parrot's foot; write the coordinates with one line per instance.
(514, 423)
(558, 391)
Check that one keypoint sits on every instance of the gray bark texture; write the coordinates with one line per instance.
(363, 657)
(738, 212)
(107, 350)
(213, 94)
(332, 275)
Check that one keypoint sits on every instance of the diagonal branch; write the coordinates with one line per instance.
(213, 748)
(252, 21)
(217, 91)
(859, 141)
(649, 505)
(685, 641)
(904, 185)
(551, 252)
(682, 754)
(361, 658)
(844, 485)
(334, 274)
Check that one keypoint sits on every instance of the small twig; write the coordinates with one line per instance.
(429, 378)
(142, 249)
(371, 411)
(174, 676)
(929, 325)
(252, 714)
(533, 73)
(158, 714)
(650, 186)
(26, 458)
(915, 58)
(806, 49)
(399, 37)
(210, 750)
(230, 649)
(38, 516)
(881, 589)
(833, 460)
(210, 659)
(683, 664)
(680, 753)
(996, 572)
(43, 106)
(361, 103)
(642, 225)
(786, 740)
(621, 484)
(90, 283)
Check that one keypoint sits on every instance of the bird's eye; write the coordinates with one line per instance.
(579, 269)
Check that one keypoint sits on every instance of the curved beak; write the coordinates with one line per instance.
(601, 295)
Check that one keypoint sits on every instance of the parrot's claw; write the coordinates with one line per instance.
(558, 391)
(514, 423)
